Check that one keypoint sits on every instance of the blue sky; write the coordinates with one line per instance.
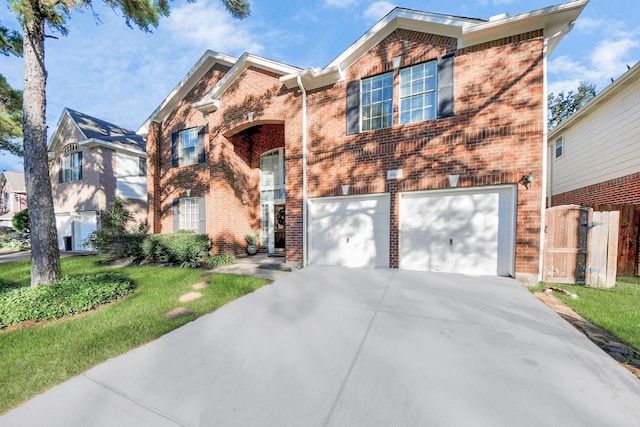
(118, 74)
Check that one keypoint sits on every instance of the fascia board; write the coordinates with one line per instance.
(554, 20)
(211, 101)
(56, 133)
(450, 26)
(193, 76)
(446, 25)
(614, 89)
(93, 142)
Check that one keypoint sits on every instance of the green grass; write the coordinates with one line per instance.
(616, 309)
(37, 357)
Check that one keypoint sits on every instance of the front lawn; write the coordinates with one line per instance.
(616, 309)
(41, 355)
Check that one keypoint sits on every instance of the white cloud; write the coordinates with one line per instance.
(610, 56)
(377, 10)
(607, 59)
(211, 27)
(343, 4)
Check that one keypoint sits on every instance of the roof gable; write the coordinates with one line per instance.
(15, 180)
(91, 130)
(212, 100)
(207, 61)
(556, 21)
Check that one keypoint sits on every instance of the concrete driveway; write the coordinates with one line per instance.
(329, 346)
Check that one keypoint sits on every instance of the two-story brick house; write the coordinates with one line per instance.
(92, 161)
(412, 149)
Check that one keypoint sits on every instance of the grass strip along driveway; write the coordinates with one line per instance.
(615, 310)
(36, 357)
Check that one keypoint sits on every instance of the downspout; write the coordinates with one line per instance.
(304, 171)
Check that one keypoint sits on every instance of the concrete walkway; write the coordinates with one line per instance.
(329, 346)
(267, 267)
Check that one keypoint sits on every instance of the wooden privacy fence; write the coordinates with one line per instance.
(628, 237)
(581, 246)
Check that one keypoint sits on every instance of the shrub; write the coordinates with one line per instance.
(20, 221)
(113, 237)
(184, 249)
(9, 238)
(72, 294)
(221, 259)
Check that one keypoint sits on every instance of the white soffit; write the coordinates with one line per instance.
(556, 21)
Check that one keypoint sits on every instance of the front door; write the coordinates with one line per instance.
(272, 200)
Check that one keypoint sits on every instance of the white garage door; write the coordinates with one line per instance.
(83, 224)
(469, 230)
(352, 231)
(64, 226)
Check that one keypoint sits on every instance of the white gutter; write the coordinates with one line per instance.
(304, 171)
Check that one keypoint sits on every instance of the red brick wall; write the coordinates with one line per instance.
(229, 178)
(623, 191)
(494, 137)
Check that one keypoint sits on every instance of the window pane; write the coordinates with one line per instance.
(188, 146)
(189, 213)
(418, 92)
(377, 102)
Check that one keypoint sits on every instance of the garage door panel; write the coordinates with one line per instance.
(465, 231)
(351, 232)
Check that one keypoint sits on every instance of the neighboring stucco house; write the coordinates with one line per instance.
(13, 196)
(356, 163)
(91, 162)
(595, 154)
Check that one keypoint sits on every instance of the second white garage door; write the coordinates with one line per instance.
(469, 231)
(352, 231)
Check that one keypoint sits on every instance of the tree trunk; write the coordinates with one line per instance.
(45, 256)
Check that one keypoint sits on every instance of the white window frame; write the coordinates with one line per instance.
(376, 102)
(559, 145)
(189, 211)
(71, 165)
(188, 147)
(418, 93)
(271, 194)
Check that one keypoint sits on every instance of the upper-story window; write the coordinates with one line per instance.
(377, 102)
(70, 167)
(418, 92)
(426, 92)
(187, 147)
(559, 147)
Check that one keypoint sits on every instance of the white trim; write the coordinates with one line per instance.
(556, 21)
(94, 142)
(207, 61)
(211, 101)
